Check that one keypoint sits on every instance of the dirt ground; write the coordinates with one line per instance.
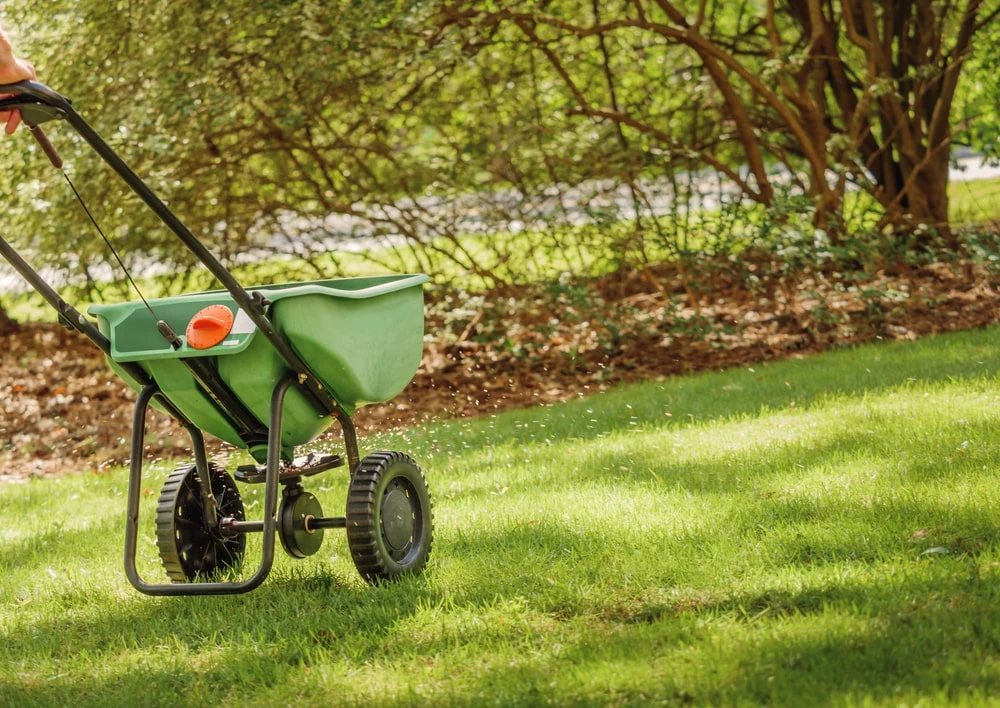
(62, 410)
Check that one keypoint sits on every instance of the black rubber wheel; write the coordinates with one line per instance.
(389, 517)
(188, 547)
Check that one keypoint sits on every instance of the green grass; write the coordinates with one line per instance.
(975, 201)
(822, 530)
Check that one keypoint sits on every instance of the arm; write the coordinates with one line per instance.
(12, 69)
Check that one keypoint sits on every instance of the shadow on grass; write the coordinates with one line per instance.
(768, 535)
(920, 626)
(210, 643)
(937, 637)
(747, 472)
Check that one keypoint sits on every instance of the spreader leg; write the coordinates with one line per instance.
(135, 482)
(208, 506)
(268, 525)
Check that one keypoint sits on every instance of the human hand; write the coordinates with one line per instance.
(12, 69)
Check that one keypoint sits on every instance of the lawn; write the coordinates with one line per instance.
(975, 201)
(822, 530)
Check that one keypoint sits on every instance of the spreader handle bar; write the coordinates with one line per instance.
(38, 102)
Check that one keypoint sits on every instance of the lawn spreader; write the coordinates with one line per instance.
(266, 369)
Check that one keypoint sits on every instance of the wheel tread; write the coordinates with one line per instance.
(166, 529)
(362, 526)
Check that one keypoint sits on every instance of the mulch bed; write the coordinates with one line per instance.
(62, 410)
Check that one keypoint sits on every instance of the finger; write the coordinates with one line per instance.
(13, 122)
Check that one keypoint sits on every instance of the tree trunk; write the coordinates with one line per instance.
(914, 194)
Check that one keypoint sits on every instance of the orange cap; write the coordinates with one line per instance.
(209, 326)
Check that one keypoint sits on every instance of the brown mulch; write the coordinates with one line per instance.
(63, 410)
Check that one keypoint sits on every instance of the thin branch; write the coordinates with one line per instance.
(704, 157)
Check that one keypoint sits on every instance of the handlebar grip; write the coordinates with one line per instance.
(39, 92)
(47, 147)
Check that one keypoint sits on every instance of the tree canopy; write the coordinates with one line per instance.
(297, 125)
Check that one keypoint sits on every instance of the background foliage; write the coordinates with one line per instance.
(587, 135)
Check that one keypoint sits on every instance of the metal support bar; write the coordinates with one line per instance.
(226, 402)
(332, 522)
(208, 505)
(231, 526)
(270, 500)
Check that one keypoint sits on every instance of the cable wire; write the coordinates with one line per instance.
(108, 242)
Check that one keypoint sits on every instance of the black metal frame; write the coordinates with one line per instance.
(201, 461)
(38, 104)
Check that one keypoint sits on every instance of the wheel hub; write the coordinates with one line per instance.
(397, 519)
